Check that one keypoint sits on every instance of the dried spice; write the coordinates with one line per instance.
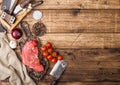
(39, 29)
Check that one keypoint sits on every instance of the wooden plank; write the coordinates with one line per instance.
(80, 4)
(80, 55)
(89, 83)
(92, 65)
(83, 40)
(92, 75)
(98, 75)
(118, 21)
(79, 21)
(74, 83)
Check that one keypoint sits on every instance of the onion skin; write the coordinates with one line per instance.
(16, 33)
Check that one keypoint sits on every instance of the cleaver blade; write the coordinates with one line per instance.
(58, 69)
(6, 5)
(17, 9)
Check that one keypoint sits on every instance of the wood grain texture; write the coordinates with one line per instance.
(83, 40)
(110, 75)
(75, 83)
(82, 4)
(86, 54)
(79, 21)
(79, 4)
(86, 75)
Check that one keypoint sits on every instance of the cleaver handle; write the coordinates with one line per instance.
(54, 82)
(25, 2)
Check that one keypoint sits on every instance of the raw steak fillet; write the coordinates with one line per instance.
(30, 56)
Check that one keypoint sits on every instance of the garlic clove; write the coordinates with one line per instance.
(13, 44)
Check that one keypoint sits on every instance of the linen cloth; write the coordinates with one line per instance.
(10, 65)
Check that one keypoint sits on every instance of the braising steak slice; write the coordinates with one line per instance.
(30, 56)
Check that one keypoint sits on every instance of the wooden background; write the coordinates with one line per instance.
(87, 34)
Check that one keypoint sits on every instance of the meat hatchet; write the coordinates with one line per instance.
(58, 70)
(21, 6)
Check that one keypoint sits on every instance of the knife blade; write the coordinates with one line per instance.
(21, 6)
(8, 5)
(58, 70)
(12, 6)
(5, 5)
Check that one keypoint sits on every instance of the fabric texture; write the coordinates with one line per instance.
(10, 65)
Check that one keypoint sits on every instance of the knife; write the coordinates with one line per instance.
(8, 5)
(12, 6)
(21, 6)
(58, 70)
(5, 5)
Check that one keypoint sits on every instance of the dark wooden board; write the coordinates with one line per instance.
(79, 21)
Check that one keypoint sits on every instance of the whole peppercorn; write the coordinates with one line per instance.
(39, 29)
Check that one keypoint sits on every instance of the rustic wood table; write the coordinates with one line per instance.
(87, 34)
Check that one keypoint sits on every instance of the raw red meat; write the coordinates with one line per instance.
(30, 56)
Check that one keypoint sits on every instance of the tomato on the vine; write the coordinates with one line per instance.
(54, 60)
(54, 54)
(45, 54)
(49, 45)
(50, 50)
(49, 57)
(43, 48)
(60, 58)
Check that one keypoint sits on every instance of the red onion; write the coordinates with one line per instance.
(16, 33)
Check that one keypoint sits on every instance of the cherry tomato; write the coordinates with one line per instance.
(45, 54)
(49, 57)
(54, 54)
(54, 60)
(50, 50)
(43, 49)
(49, 45)
(60, 58)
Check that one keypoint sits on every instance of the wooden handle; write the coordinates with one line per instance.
(24, 25)
(4, 23)
(37, 3)
(25, 3)
(54, 82)
(20, 17)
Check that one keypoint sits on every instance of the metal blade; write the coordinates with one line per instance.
(58, 69)
(12, 6)
(17, 9)
(12, 3)
(5, 5)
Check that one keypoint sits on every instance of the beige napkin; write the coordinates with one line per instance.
(10, 66)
